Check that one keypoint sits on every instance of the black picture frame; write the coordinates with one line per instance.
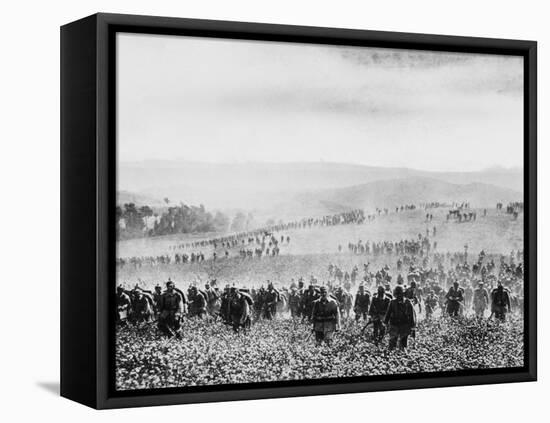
(88, 197)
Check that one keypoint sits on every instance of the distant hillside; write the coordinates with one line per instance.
(236, 185)
(394, 192)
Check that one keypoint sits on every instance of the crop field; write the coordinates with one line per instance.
(209, 353)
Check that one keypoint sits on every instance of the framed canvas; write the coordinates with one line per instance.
(257, 211)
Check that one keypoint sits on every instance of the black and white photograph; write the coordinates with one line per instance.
(291, 212)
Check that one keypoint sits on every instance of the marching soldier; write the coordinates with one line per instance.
(401, 318)
(377, 312)
(309, 297)
(156, 298)
(212, 300)
(294, 302)
(224, 307)
(500, 302)
(362, 303)
(455, 300)
(325, 317)
(344, 300)
(430, 303)
(239, 310)
(413, 294)
(142, 307)
(124, 304)
(171, 310)
(271, 299)
(197, 303)
(480, 300)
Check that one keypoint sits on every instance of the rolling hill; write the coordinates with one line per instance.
(392, 193)
(232, 185)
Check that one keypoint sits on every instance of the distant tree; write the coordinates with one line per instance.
(172, 220)
(133, 218)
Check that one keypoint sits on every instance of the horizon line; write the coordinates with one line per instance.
(326, 162)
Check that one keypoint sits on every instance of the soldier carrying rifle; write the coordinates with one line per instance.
(325, 317)
(362, 303)
(455, 300)
(401, 318)
(377, 312)
(171, 311)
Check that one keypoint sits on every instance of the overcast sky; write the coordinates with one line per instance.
(204, 99)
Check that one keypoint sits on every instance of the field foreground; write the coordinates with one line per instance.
(210, 353)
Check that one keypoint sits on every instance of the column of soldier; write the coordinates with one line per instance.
(263, 242)
(244, 240)
(238, 239)
(450, 287)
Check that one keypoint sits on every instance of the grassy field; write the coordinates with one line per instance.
(210, 353)
(311, 250)
(497, 232)
(283, 349)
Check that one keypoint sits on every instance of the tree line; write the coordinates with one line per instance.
(144, 221)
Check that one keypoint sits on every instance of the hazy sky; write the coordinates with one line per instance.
(214, 100)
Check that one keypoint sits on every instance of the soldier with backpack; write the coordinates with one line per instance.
(308, 298)
(414, 295)
(239, 309)
(500, 302)
(362, 303)
(294, 302)
(401, 319)
(430, 303)
(326, 317)
(455, 300)
(480, 300)
(197, 303)
(377, 312)
(156, 298)
(212, 300)
(171, 310)
(142, 306)
(271, 299)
